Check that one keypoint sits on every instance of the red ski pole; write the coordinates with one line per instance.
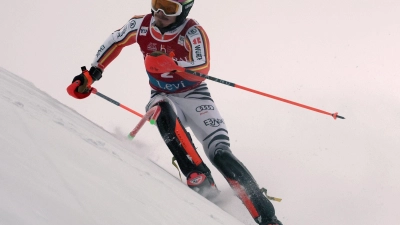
(151, 115)
(334, 115)
(157, 63)
(94, 91)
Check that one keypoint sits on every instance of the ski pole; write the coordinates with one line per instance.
(72, 87)
(334, 115)
(162, 62)
(151, 115)
(94, 91)
(182, 69)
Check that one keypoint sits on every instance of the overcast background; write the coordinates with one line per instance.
(338, 56)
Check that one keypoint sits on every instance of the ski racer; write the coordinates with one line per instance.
(184, 99)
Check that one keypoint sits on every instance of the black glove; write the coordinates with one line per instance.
(84, 87)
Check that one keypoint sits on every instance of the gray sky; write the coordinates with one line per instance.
(274, 46)
(286, 48)
(338, 56)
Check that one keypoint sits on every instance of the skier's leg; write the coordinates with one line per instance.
(209, 127)
(180, 144)
(245, 186)
(238, 176)
(178, 140)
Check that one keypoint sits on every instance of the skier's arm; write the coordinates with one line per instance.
(197, 43)
(113, 45)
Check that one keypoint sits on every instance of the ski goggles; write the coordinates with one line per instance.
(168, 7)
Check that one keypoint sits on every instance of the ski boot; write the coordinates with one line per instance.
(203, 183)
(273, 221)
(245, 187)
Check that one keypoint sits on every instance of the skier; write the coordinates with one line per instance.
(184, 99)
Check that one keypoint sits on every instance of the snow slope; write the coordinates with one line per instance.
(57, 167)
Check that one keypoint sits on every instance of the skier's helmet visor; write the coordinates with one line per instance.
(168, 7)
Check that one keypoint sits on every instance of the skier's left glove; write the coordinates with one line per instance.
(159, 62)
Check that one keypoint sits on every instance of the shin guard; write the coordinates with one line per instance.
(179, 141)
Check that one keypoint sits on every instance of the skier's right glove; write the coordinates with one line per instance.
(159, 62)
(81, 84)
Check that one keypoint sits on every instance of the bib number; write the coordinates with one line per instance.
(166, 75)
